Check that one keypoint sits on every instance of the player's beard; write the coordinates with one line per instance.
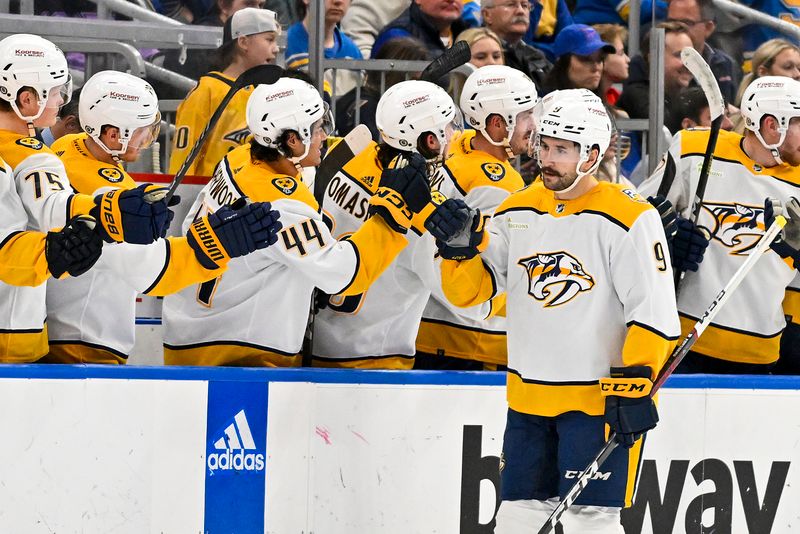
(556, 181)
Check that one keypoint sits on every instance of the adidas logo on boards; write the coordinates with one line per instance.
(235, 442)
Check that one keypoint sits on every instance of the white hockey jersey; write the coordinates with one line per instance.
(588, 287)
(483, 182)
(748, 328)
(257, 312)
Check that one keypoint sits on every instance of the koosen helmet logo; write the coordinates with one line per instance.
(234, 445)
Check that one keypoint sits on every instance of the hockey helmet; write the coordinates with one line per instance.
(778, 96)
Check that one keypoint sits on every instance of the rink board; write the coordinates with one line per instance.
(107, 450)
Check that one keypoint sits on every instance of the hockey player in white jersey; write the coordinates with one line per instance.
(763, 163)
(377, 328)
(256, 313)
(498, 102)
(591, 318)
(120, 115)
(34, 83)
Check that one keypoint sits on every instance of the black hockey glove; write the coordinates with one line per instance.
(669, 219)
(403, 191)
(630, 411)
(688, 246)
(458, 229)
(138, 216)
(74, 249)
(787, 244)
(230, 233)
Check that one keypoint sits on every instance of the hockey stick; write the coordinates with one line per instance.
(261, 74)
(351, 144)
(668, 368)
(453, 57)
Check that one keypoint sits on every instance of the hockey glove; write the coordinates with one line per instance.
(669, 219)
(688, 246)
(403, 191)
(630, 411)
(787, 244)
(458, 230)
(132, 215)
(230, 233)
(74, 249)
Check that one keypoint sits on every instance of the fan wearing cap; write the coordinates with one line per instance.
(256, 314)
(120, 115)
(249, 39)
(580, 53)
(764, 163)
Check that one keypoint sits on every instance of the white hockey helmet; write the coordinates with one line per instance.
(118, 99)
(31, 61)
(409, 109)
(500, 90)
(576, 115)
(778, 96)
(288, 104)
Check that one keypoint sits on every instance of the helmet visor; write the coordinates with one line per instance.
(60, 95)
(144, 136)
(548, 150)
(453, 129)
(325, 125)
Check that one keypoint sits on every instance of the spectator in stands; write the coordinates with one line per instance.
(776, 57)
(548, 18)
(66, 123)
(580, 55)
(698, 16)
(614, 12)
(510, 20)
(249, 39)
(690, 110)
(337, 44)
(403, 49)
(366, 18)
(434, 22)
(485, 46)
(616, 66)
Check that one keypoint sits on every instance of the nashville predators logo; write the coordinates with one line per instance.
(494, 171)
(437, 198)
(111, 174)
(30, 142)
(238, 136)
(555, 278)
(286, 185)
(736, 226)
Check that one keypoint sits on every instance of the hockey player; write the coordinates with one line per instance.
(745, 336)
(33, 84)
(249, 39)
(586, 267)
(120, 115)
(498, 102)
(256, 313)
(377, 328)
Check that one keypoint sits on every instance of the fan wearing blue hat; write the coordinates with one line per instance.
(580, 53)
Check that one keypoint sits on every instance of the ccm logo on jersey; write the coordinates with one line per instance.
(30, 142)
(112, 175)
(736, 226)
(555, 278)
(286, 185)
(494, 171)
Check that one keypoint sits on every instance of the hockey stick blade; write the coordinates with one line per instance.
(260, 74)
(669, 367)
(353, 143)
(453, 57)
(693, 61)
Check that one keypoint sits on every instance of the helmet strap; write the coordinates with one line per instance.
(773, 149)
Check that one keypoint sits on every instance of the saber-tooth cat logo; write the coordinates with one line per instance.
(238, 451)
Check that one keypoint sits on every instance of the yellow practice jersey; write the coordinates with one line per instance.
(377, 328)
(39, 199)
(91, 319)
(748, 328)
(193, 115)
(257, 312)
(589, 287)
(483, 182)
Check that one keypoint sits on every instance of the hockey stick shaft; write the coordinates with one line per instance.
(668, 368)
(452, 58)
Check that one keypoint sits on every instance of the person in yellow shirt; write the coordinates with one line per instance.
(249, 39)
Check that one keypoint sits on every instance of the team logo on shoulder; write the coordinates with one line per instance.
(634, 195)
(111, 174)
(238, 136)
(736, 226)
(285, 184)
(555, 278)
(494, 171)
(30, 142)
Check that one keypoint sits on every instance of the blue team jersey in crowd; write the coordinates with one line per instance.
(615, 12)
(297, 47)
(754, 35)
